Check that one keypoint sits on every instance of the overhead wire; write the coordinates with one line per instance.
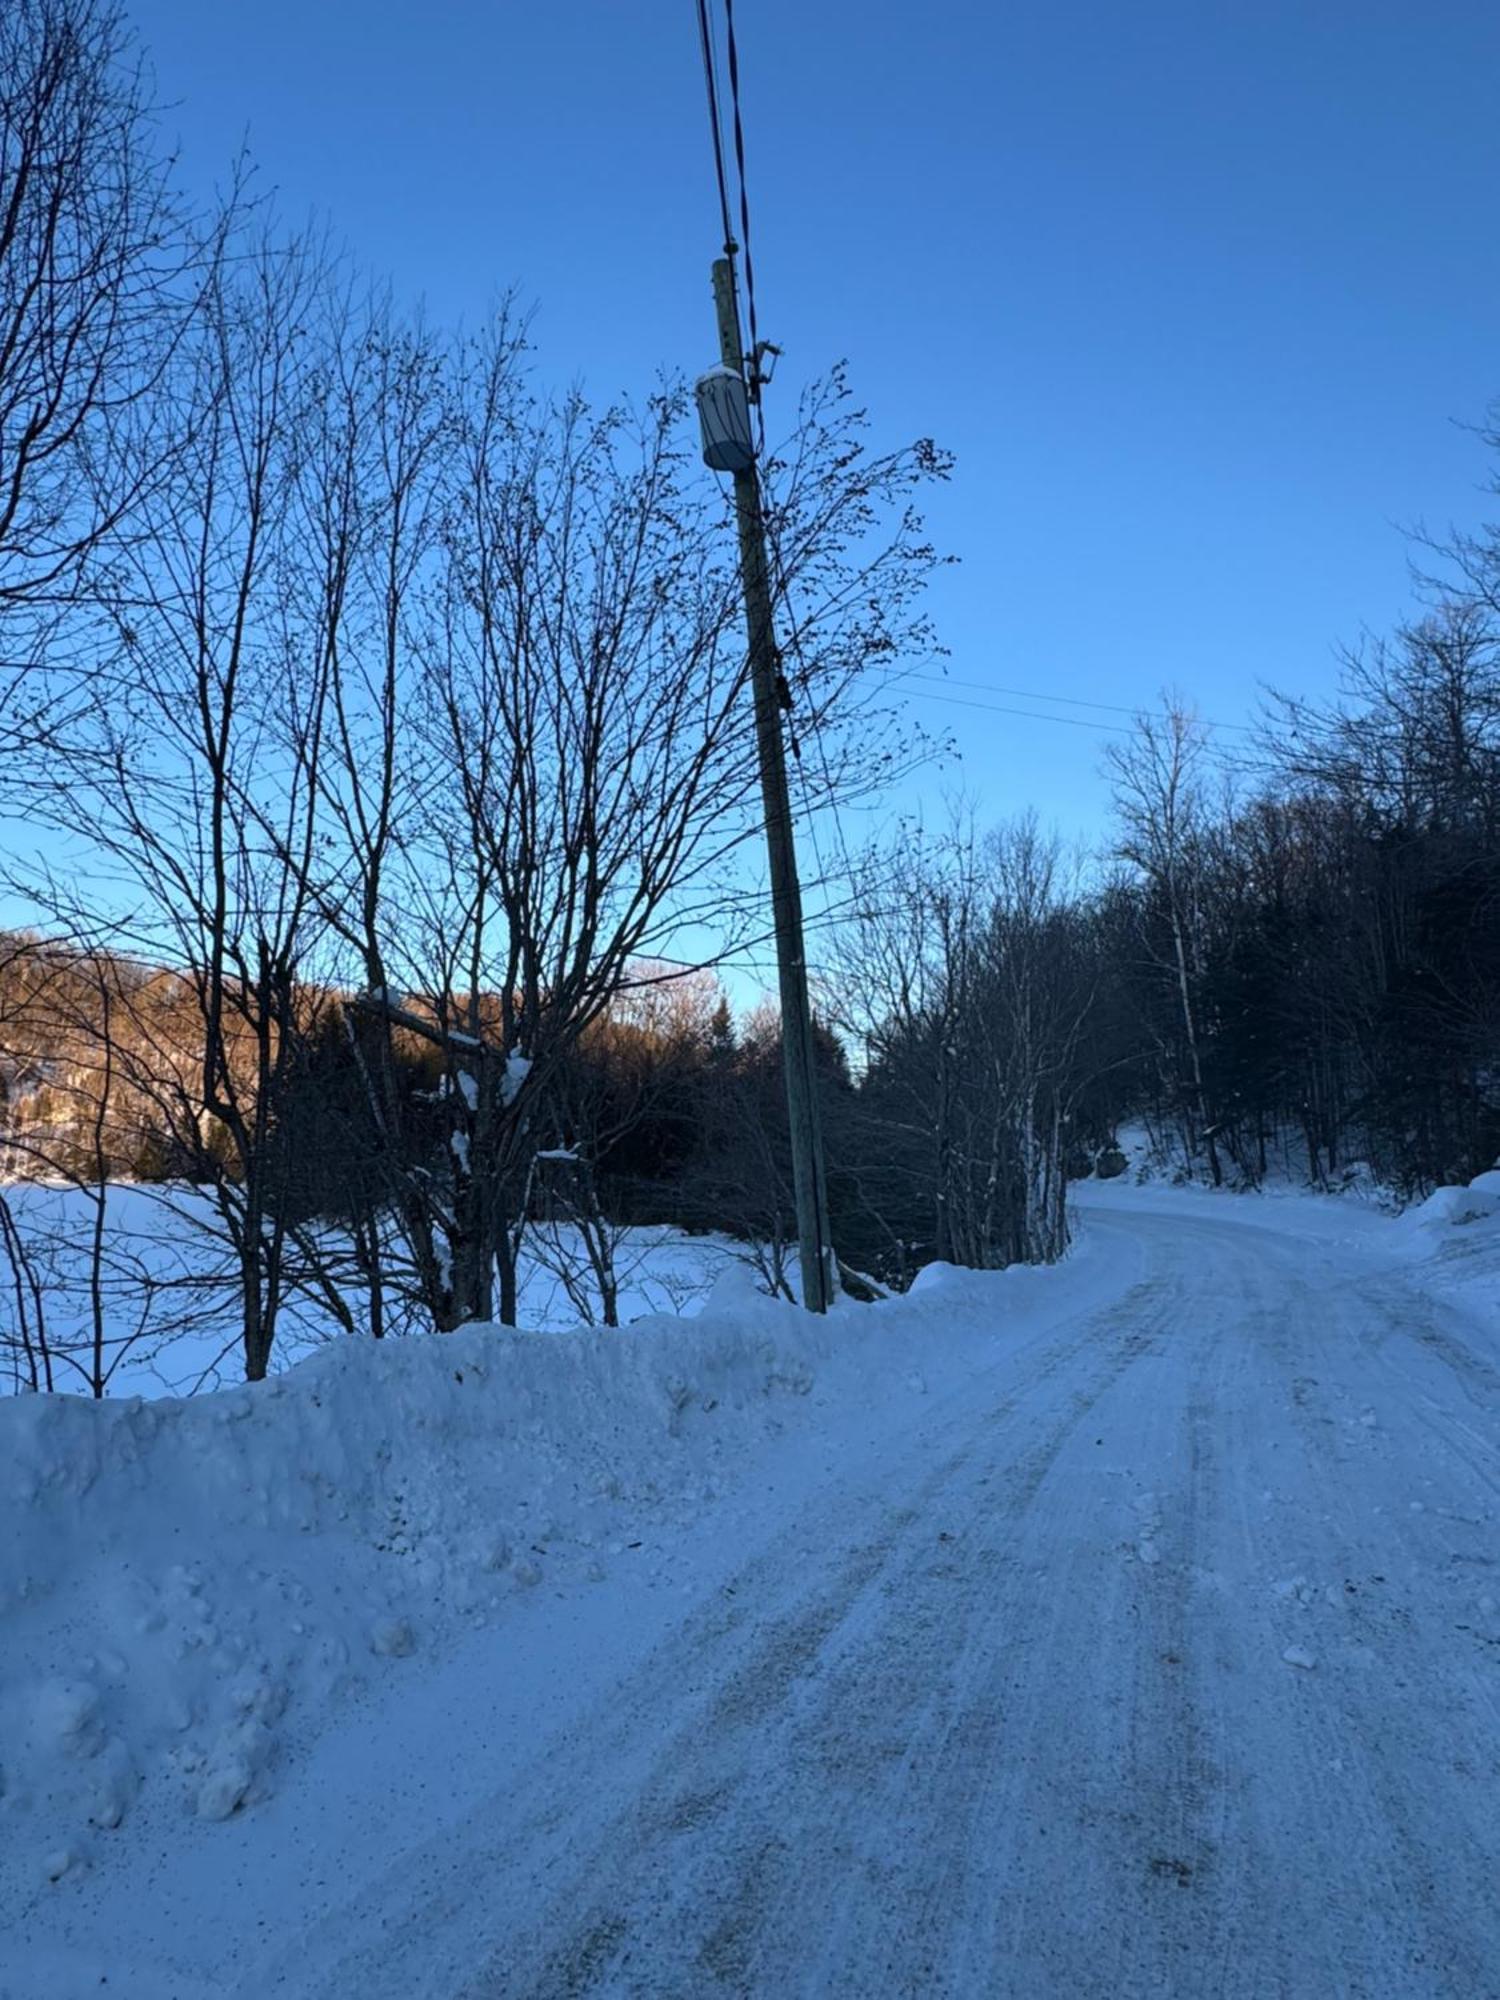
(897, 686)
(1062, 700)
(781, 594)
(750, 362)
(715, 120)
(732, 50)
(1027, 714)
(709, 50)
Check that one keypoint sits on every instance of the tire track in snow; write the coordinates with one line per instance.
(549, 1809)
(927, 1679)
(848, 1692)
(977, 1742)
(1414, 1377)
(1114, 1825)
(1380, 1721)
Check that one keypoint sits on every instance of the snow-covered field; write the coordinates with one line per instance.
(168, 1287)
(1131, 1628)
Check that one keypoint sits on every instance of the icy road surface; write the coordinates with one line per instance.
(1167, 1664)
(1160, 1657)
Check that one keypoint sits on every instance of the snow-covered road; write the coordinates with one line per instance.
(1159, 1656)
(1153, 1669)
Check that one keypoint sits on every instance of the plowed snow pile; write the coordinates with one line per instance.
(189, 1585)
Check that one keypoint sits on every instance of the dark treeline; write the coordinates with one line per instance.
(1317, 962)
(1293, 969)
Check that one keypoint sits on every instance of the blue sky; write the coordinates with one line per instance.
(1199, 294)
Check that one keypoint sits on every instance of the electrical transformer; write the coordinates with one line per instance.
(724, 418)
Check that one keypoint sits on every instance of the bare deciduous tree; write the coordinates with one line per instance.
(96, 281)
(201, 825)
(1160, 800)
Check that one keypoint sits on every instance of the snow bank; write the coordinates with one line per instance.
(1451, 1207)
(1455, 1238)
(189, 1585)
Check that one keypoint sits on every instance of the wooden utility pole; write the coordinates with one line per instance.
(819, 1272)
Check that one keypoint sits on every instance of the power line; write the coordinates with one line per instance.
(732, 48)
(901, 683)
(1029, 714)
(716, 125)
(1065, 701)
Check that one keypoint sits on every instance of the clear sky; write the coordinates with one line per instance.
(1199, 291)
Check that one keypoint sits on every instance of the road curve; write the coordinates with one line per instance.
(1166, 1663)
